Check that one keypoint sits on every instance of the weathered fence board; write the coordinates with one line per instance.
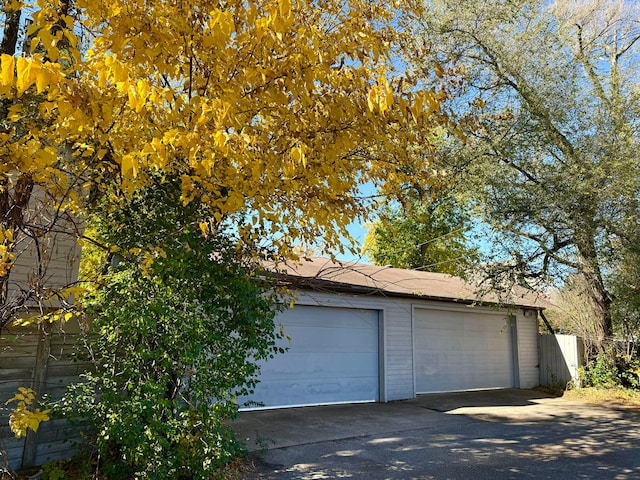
(560, 358)
(55, 439)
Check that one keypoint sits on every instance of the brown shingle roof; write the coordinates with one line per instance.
(357, 278)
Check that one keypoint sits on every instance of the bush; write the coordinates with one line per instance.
(609, 370)
(179, 325)
(629, 372)
(602, 372)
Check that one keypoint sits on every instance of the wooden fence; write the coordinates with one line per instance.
(46, 362)
(560, 357)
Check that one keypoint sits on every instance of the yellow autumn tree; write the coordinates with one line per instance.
(273, 110)
(271, 113)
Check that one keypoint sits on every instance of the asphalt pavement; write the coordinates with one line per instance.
(493, 435)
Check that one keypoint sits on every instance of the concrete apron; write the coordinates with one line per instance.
(272, 429)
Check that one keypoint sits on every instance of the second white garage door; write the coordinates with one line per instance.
(457, 350)
(332, 358)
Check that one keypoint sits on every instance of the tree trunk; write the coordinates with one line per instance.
(596, 290)
(11, 29)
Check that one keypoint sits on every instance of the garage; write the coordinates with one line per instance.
(332, 357)
(462, 350)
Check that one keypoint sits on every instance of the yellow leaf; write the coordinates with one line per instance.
(284, 7)
(134, 100)
(53, 53)
(416, 108)
(129, 166)
(23, 74)
(220, 139)
(102, 77)
(42, 80)
(438, 69)
(386, 95)
(372, 98)
(262, 24)
(8, 66)
(296, 154)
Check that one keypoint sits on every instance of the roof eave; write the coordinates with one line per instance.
(319, 284)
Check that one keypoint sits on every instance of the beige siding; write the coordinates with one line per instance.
(59, 264)
(48, 261)
(528, 349)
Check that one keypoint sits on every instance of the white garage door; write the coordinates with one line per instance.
(461, 351)
(332, 358)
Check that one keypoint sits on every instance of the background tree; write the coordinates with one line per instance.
(422, 233)
(553, 163)
(570, 312)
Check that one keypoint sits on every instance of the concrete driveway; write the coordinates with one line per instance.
(499, 434)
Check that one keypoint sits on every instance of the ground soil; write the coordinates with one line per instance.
(616, 397)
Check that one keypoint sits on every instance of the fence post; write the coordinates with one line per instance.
(39, 384)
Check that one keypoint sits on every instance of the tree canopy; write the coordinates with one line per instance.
(553, 163)
(422, 233)
(275, 110)
(272, 113)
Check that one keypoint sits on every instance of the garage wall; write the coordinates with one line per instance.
(396, 351)
(528, 349)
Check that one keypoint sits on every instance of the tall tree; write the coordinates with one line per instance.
(553, 164)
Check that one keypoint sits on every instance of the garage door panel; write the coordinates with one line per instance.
(323, 391)
(332, 358)
(461, 351)
(320, 339)
(327, 317)
(300, 366)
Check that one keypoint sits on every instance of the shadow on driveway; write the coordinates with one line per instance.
(444, 402)
(506, 434)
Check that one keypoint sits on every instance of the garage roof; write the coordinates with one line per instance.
(352, 277)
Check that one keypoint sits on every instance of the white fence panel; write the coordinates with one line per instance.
(560, 358)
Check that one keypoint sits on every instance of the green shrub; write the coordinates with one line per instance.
(629, 372)
(609, 370)
(602, 372)
(178, 326)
